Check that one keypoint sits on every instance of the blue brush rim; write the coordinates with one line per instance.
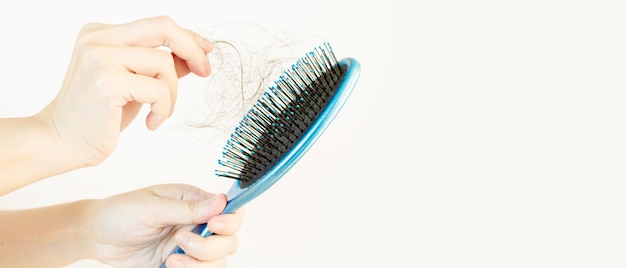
(237, 196)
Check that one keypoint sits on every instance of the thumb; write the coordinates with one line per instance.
(183, 212)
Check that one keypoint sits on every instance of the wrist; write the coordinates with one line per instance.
(31, 151)
(80, 230)
(67, 159)
(52, 236)
(74, 236)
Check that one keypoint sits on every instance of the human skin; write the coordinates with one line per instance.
(135, 229)
(114, 70)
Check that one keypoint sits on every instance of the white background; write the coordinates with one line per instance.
(480, 134)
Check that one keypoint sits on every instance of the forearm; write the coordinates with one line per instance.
(45, 237)
(29, 151)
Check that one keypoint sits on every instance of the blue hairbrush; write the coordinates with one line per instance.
(282, 125)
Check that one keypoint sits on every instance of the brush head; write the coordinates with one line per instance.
(282, 125)
(281, 116)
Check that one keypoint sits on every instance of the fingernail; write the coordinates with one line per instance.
(208, 45)
(216, 226)
(182, 239)
(207, 67)
(211, 206)
(176, 264)
(154, 121)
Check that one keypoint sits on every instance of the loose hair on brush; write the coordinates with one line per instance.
(245, 61)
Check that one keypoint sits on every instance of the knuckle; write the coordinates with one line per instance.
(164, 19)
(165, 93)
(93, 51)
(89, 27)
(91, 57)
(165, 22)
(89, 33)
(191, 209)
(165, 58)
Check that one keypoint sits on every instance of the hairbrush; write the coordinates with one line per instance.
(283, 124)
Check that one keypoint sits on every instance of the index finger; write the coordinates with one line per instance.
(163, 31)
(181, 192)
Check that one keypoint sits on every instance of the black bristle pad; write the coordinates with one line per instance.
(281, 116)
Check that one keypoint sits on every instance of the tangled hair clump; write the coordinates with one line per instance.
(245, 61)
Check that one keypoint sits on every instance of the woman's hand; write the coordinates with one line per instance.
(140, 228)
(114, 70)
(135, 229)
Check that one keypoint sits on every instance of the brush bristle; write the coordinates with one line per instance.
(281, 116)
